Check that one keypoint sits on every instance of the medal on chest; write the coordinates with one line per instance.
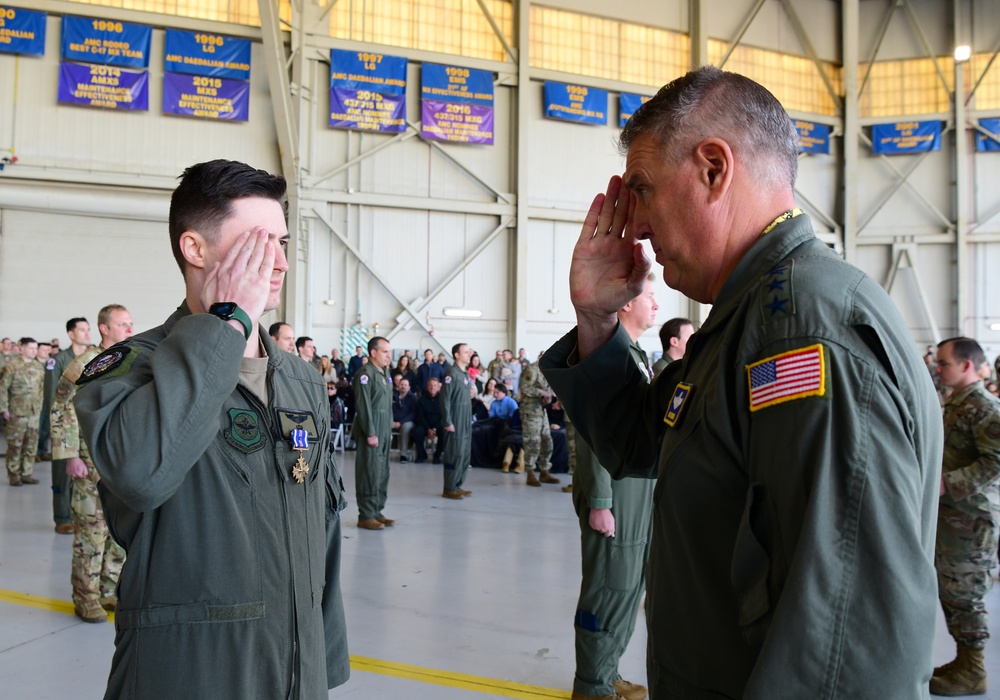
(300, 443)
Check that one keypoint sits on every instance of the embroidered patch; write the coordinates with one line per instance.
(51, 364)
(677, 402)
(993, 429)
(289, 419)
(244, 432)
(363, 379)
(112, 362)
(776, 299)
(447, 380)
(788, 376)
(64, 390)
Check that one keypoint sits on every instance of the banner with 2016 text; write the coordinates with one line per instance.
(456, 104)
(367, 91)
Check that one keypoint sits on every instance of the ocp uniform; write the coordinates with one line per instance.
(373, 416)
(536, 437)
(969, 511)
(21, 393)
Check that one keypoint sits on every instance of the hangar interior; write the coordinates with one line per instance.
(396, 232)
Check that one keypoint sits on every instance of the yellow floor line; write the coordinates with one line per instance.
(420, 674)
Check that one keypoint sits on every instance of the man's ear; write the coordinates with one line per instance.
(715, 163)
(193, 248)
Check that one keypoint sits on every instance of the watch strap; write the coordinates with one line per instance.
(235, 313)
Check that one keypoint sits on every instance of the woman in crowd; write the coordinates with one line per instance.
(327, 370)
(476, 371)
(404, 369)
(486, 395)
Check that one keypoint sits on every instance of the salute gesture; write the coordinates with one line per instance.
(244, 275)
(609, 266)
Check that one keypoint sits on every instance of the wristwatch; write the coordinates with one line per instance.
(228, 310)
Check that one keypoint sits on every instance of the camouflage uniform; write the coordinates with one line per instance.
(97, 559)
(968, 513)
(21, 394)
(535, 434)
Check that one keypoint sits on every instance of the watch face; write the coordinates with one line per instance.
(224, 308)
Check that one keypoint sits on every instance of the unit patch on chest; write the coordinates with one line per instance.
(244, 431)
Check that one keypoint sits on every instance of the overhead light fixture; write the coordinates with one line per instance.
(330, 302)
(553, 310)
(963, 53)
(995, 326)
(462, 313)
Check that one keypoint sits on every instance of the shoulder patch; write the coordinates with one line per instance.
(447, 379)
(50, 364)
(677, 402)
(363, 379)
(113, 362)
(788, 376)
(993, 429)
(776, 298)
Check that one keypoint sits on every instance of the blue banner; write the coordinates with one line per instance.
(456, 84)
(22, 31)
(813, 137)
(197, 53)
(103, 86)
(906, 137)
(206, 97)
(576, 103)
(367, 91)
(627, 104)
(105, 41)
(984, 142)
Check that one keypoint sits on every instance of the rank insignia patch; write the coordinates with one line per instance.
(112, 362)
(677, 402)
(244, 432)
(786, 377)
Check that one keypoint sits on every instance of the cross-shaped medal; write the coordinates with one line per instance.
(300, 442)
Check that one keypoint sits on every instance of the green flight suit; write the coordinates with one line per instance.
(792, 550)
(456, 409)
(62, 483)
(231, 585)
(614, 568)
(966, 551)
(373, 416)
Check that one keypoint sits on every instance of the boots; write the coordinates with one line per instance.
(547, 478)
(506, 461)
(966, 675)
(520, 462)
(532, 481)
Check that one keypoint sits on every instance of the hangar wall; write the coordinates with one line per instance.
(393, 229)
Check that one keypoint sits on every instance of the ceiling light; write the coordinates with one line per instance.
(462, 313)
(962, 53)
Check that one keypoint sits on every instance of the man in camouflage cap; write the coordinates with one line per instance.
(966, 549)
(97, 558)
(21, 383)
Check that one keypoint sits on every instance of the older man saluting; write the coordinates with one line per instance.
(797, 445)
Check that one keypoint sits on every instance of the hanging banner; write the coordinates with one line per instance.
(209, 98)
(906, 137)
(576, 103)
(456, 104)
(22, 31)
(984, 142)
(367, 91)
(197, 53)
(813, 137)
(627, 104)
(103, 86)
(105, 41)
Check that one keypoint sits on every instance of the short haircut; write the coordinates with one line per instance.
(712, 103)
(672, 329)
(301, 341)
(963, 349)
(104, 315)
(500, 386)
(205, 197)
(25, 340)
(45, 344)
(71, 324)
(373, 343)
(275, 328)
(456, 347)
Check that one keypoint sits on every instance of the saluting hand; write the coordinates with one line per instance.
(244, 275)
(609, 266)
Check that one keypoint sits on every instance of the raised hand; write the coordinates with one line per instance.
(244, 275)
(609, 266)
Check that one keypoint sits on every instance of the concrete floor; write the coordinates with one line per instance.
(461, 599)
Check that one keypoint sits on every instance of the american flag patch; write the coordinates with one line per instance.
(790, 375)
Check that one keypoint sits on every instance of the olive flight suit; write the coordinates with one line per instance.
(373, 416)
(456, 410)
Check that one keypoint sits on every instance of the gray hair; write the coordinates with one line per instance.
(709, 102)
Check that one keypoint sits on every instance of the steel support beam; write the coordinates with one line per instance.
(518, 308)
(963, 181)
(850, 21)
(698, 33)
(803, 35)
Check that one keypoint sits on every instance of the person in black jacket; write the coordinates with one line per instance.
(428, 422)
